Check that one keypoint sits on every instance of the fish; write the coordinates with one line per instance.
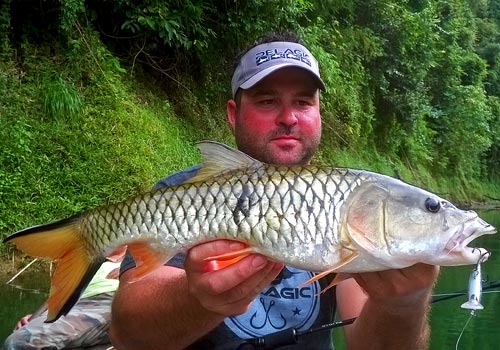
(475, 290)
(314, 217)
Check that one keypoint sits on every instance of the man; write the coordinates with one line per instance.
(275, 117)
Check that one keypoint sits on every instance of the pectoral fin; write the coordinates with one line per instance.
(340, 277)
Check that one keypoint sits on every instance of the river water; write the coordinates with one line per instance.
(30, 289)
(448, 319)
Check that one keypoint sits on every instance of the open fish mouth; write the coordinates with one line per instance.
(466, 233)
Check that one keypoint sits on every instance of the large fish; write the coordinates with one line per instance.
(318, 218)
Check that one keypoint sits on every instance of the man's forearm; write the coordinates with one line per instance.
(149, 314)
(381, 328)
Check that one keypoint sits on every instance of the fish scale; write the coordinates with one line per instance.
(285, 209)
(318, 218)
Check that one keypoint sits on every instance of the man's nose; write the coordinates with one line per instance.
(287, 116)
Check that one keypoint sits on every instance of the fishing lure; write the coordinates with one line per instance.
(474, 294)
(475, 287)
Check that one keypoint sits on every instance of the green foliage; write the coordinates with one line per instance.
(61, 99)
(242, 22)
(175, 23)
(492, 155)
(4, 28)
(464, 133)
(347, 109)
(398, 76)
(71, 11)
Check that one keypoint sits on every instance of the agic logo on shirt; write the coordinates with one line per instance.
(285, 303)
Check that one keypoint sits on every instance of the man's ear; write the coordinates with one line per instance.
(231, 109)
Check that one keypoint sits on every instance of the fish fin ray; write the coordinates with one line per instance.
(146, 259)
(339, 277)
(117, 255)
(63, 242)
(72, 275)
(232, 254)
(218, 262)
(218, 158)
(347, 259)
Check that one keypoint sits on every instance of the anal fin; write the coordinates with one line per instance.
(146, 259)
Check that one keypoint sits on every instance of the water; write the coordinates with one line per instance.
(447, 318)
(23, 296)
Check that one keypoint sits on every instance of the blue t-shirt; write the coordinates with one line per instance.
(285, 303)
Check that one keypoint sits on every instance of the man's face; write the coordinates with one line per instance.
(278, 120)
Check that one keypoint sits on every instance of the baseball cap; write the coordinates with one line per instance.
(264, 59)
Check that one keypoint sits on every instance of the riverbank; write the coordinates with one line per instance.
(13, 262)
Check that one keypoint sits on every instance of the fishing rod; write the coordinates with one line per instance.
(486, 285)
(290, 336)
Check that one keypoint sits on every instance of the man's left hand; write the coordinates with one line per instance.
(399, 288)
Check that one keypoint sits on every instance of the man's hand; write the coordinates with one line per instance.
(399, 288)
(199, 300)
(391, 308)
(231, 290)
(23, 321)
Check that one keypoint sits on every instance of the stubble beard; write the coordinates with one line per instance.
(262, 148)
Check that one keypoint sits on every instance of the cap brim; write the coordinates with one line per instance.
(265, 72)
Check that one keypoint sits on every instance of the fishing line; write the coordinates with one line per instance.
(492, 291)
(463, 329)
(455, 294)
(486, 285)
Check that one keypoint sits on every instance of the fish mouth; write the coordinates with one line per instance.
(466, 233)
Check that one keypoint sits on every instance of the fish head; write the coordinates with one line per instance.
(400, 225)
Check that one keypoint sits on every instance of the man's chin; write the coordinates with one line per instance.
(286, 155)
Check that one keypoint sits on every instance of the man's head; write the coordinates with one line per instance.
(274, 112)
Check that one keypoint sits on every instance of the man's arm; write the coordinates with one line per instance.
(171, 308)
(392, 308)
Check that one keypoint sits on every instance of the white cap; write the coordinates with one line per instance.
(264, 59)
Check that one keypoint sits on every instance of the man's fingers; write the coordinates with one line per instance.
(228, 278)
(238, 299)
(230, 290)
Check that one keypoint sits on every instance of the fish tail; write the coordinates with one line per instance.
(63, 242)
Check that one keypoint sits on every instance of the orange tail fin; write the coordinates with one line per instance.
(60, 241)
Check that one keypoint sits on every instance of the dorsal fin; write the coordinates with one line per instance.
(218, 158)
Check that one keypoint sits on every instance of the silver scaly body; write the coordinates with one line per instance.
(291, 214)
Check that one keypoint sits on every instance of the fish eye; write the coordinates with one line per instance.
(432, 205)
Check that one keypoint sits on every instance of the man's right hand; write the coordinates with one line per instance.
(231, 290)
(200, 300)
